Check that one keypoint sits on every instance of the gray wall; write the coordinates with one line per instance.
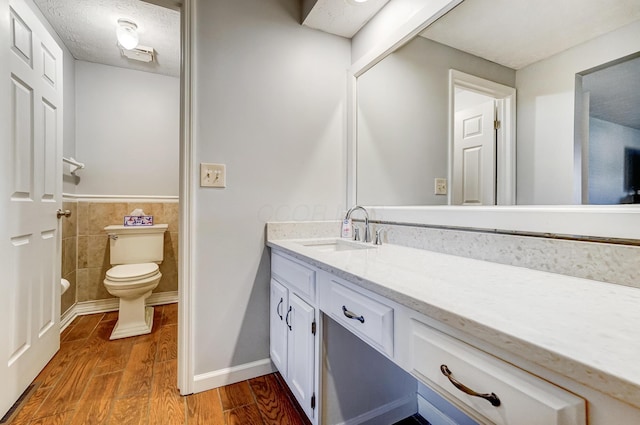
(607, 141)
(127, 131)
(270, 104)
(403, 109)
(545, 128)
(69, 130)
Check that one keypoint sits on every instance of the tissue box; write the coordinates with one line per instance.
(138, 220)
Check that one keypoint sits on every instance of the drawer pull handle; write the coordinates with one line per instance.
(352, 315)
(491, 398)
(287, 318)
(278, 308)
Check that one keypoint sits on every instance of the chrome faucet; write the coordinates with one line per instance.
(367, 233)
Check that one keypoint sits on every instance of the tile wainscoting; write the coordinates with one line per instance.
(85, 246)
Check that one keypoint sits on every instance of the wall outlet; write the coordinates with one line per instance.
(213, 175)
(440, 186)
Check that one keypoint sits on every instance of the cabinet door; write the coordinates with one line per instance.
(278, 307)
(301, 352)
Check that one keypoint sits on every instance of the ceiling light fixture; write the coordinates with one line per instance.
(127, 34)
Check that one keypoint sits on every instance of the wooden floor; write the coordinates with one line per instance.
(93, 380)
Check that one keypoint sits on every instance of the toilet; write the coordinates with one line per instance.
(135, 252)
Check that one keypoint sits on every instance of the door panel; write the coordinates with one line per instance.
(30, 194)
(45, 291)
(50, 160)
(21, 39)
(474, 156)
(22, 140)
(471, 175)
(20, 297)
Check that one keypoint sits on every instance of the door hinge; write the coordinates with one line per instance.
(313, 328)
(313, 401)
(496, 124)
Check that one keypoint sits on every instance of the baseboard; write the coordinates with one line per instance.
(386, 414)
(432, 414)
(102, 306)
(231, 375)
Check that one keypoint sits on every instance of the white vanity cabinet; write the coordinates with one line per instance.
(511, 395)
(293, 339)
(501, 393)
(382, 322)
(302, 296)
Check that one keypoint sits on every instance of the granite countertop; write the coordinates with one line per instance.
(582, 329)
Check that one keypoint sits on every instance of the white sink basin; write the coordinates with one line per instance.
(333, 245)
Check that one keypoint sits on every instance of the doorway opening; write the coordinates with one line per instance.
(475, 168)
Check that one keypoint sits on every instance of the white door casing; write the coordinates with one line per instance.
(30, 195)
(474, 156)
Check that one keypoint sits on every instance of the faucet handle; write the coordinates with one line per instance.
(379, 231)
(356, 233)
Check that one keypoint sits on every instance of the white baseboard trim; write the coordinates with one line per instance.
(67, 317)
(102, 306)
(432, 414)
(386, 414)
(231, 375)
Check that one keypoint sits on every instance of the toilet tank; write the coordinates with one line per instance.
(136, 244)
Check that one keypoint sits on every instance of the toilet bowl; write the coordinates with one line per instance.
(135, 253)
(132, 283)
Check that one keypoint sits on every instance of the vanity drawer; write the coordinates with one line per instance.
(300, 279)
(367, 318)
(524, 399)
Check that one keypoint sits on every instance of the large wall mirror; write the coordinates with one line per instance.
(576, 126)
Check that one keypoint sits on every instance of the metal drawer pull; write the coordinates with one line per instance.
(278, 308)
(491, 398)
(352, 315)
(287, 318)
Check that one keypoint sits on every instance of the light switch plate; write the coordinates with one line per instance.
(213, 175)
(440, 186)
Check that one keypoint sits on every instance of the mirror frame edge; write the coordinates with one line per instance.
(610, 221)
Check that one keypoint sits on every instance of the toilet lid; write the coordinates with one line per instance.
(126, 272)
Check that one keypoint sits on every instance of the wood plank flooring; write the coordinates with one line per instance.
(132, 381)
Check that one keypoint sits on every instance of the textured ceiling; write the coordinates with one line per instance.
(88, 29)
(517, 33)
(615, 93)
(342, 17)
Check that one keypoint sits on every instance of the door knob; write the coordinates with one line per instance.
(61, 213)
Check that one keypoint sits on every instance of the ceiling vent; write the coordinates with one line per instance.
(140, 53)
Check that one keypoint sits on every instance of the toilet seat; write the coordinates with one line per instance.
(131, 272)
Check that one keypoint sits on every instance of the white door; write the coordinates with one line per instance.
(30, 194)
(279, 330)
(474, 156)
(301, 352)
